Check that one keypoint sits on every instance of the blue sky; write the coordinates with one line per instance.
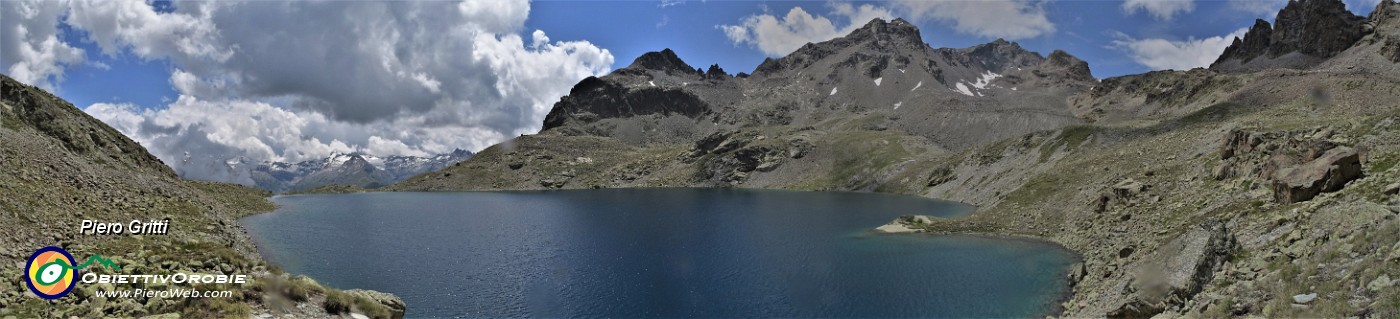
(290, 81)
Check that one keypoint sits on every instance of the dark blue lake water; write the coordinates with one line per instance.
(656, 253)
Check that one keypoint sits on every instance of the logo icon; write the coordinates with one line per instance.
(50, 272)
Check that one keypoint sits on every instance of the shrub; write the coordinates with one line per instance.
(337, 302)
(301, 289)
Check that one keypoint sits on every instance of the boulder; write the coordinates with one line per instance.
(1392, 189)
(553, 183)
(1128, 188)
(1235, 142)
(1304, 299)
(1328, 173)
(1175, 272)
(1077, 273)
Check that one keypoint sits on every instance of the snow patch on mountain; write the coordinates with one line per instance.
(986, 79)
(963, 89)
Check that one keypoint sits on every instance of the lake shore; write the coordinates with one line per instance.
(923, 225)
(811, 207)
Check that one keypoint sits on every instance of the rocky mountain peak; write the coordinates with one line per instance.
(715, 72)
(1070, 66)
(1006, 53)
(1255, 44)
(460, 153)
(665, 60)
(877, 37)
(897, 31)
(1317, 29)
(1320, 28)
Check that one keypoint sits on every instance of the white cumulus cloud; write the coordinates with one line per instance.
(1163, 54)
(1009, 19)
(30, 49)
(1264, 8)
(1160, 9)
(305, 79)
(779, 35)
(775, 35)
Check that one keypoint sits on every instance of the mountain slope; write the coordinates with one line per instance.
(1210, 193)
(58, 166)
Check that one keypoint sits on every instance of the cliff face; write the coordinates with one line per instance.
(1383, 27)
(1255, 44)
(1320, 28)
(1304, 33)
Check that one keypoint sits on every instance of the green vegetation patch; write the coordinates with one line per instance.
(1070, 138)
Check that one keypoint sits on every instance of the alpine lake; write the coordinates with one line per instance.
(665, 252)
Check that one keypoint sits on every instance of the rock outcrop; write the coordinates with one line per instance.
(1068, 66)
(1320, 28)
(595, 98)
(1254, 44)
(727, 158)
(1176, 271)
(395, 305)
(1296, 166)
(1384, 28)
(1327, 173)
(716, 73)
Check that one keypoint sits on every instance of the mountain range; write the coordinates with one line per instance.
(354, 169)
(346, 169)
(1264, 185)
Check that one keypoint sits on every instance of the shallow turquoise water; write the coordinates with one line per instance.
(657, 253)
